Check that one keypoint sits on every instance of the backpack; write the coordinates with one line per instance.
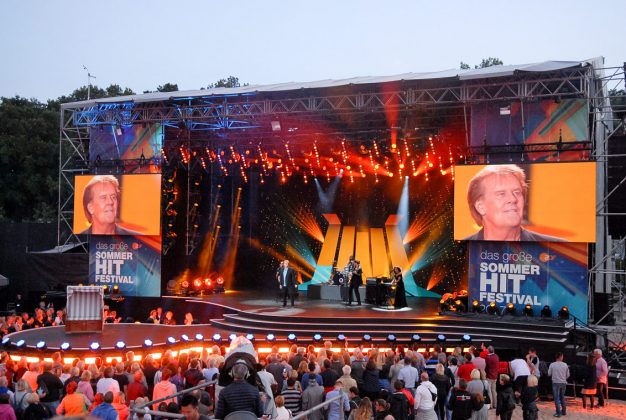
(510, 402)
(17, 406)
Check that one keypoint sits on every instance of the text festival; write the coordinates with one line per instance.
(501, 281)
(109, 263)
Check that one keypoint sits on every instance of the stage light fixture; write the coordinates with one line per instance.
(20, 343)
(564, 313)
(199, 337)
(415, 338)
(510, 309)
(65, 346)
(546, 312)
(94, 346)
(184, 338)
(292, 338)
(391, 338)
(41, 345)
(250, 337)
(270, 337)
(341, 338)
(106, 289)
(317, 337)
(477, 308)
(6, 341)
(232, 336)
(492, 309)
(147, 343)
(171, 340)
(528, 310)
(217, 338)
(441, 338)
(366, 338)
(466, 338)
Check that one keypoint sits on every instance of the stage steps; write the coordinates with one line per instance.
(507, 331)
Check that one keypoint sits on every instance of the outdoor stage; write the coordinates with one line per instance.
(260, 315)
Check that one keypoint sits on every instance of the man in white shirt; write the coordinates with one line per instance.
(107, 383)
(425, 400)
(409, 375)
(521, 372)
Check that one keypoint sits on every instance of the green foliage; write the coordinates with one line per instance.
(485, 62)
(29, 160)
(230, 82)
(168, 87)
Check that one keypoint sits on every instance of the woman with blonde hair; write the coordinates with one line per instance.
(363, 411)
(18, 400)
(84, 385)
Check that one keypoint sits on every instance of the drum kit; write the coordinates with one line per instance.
(340, 278)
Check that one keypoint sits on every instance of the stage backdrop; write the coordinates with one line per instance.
(132, 263)
(539, 274)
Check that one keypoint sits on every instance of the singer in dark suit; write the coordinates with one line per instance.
(287, 278)
(355, 282)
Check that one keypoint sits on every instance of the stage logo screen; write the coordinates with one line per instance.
(133, 264)
(544, 202)
(117, 204)
(535, 274)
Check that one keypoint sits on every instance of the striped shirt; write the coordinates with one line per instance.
(293, 400)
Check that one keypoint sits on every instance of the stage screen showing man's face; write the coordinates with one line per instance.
(117, 205)
(542, 202)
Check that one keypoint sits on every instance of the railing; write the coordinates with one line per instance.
(141, 408)
(319, 407)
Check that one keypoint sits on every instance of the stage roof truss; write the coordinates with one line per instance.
(459, 93)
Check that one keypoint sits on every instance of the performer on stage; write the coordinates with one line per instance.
(355, 282)
(286, 277)
(400, 300)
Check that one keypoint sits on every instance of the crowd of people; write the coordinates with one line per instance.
(399, 383)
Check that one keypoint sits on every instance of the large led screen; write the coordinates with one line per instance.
(117, 204)
(542, 202)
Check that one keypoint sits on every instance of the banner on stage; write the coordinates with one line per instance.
(537, 274)
(131, 263)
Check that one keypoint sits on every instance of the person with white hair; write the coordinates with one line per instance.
(602, 376)
(346, 379)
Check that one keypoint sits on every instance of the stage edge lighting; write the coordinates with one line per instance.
(341, 337)
(95, 346)
(564, 313)
(270, 337)
(317, 338)
(65, 346)
(292, 338)
(171, 340)
(416, 338)
(546, 312)
(147, 343)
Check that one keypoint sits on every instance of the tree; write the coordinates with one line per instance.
(168, 87)
(29, 159)
(229, 82)
(485, 62)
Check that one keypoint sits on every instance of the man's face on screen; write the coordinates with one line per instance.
(502, 202)
(103, 205)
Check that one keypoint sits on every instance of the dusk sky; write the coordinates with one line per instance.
(142, 44)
